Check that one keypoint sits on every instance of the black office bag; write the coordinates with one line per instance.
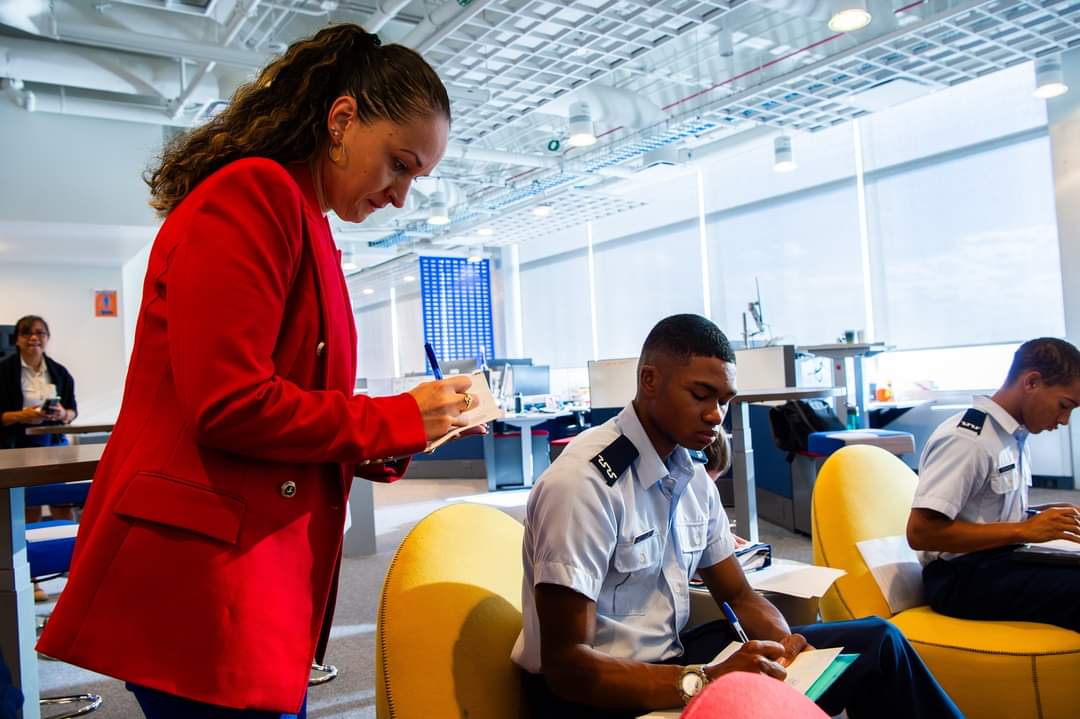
(794, 420)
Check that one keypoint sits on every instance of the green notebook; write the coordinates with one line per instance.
(830, 675)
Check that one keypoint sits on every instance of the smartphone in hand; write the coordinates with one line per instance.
(50, 405)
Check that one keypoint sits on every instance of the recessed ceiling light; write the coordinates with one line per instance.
(849, 15)
(542, 210)
(408, 278)
(475, 258)
(486, 231)
(368, 291)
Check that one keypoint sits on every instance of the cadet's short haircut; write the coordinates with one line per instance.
(1056, 360)
(686, 336)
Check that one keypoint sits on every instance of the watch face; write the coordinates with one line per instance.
(691, 683)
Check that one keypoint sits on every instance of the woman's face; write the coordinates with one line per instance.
(31, 340)
(377, 162)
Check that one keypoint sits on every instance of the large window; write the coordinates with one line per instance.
(966, 248)
(555, 309)
(803, 250)
(640, 280)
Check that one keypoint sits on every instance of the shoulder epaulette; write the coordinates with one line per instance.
(614, 459)
(973, 419)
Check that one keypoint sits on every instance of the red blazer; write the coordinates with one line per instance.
(208, 549)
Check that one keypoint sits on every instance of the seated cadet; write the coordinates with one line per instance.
(971, 504)
(617, 526)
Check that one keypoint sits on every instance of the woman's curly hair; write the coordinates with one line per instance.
(282, 114)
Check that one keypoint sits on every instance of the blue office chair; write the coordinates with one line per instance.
(48, 551)
(65, 493)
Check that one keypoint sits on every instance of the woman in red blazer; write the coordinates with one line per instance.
(221, 494)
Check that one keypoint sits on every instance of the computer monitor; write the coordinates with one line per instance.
(450, 367)
(531, 380)
(501, 361)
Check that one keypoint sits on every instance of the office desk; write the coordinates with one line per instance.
(21, 468)
(71, 429)
(743, 448)
(839, 353)
(525, 421)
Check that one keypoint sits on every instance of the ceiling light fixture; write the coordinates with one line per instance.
(439, 213)
(368, 291)
(1049, 77)
(581, 125)
(543, 210)
(347, 264)
(408, 278)
(783, 157)
(849, 15)
(475, 259)
(485, 231)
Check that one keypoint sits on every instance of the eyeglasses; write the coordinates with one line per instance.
(34, 333)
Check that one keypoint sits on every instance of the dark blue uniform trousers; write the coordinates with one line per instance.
(989, 585)
(888, 681)
(159, 705)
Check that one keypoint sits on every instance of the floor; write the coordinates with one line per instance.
(352, 648)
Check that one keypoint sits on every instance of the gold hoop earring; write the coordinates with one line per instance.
(342, 156)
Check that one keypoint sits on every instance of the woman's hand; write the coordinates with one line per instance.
(32, 415)
(441, 404)
(57, 412)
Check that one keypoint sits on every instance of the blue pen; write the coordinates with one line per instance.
(434, 362)
(734, 621)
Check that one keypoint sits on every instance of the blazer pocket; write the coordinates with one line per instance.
(161, 499)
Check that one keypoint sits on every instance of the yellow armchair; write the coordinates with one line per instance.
(448, 617)
(1004, 670)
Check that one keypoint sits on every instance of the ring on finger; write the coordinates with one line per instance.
(468, 401)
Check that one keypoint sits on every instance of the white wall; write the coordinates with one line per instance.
(58, 168)
(92, 348)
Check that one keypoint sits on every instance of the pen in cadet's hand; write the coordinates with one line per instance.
(734, 621)
(433, 360)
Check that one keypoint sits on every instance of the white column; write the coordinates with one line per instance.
(394, 332)
(1063, 116)
(864, 233)
(592, 290)
(516, 331)
(703, 248)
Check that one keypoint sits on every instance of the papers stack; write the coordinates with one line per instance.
(753, 556)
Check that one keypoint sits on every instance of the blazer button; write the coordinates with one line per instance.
(320, 349)
(288, 489)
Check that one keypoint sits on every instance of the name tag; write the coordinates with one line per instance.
(1006, 468)
(645, 536)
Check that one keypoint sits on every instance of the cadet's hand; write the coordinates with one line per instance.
(794, 645)
(1053, 523)
(756, 657)
(441, 404)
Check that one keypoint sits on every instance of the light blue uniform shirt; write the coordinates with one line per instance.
(630, 547)
(980, 477)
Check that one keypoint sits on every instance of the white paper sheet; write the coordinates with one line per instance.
(896, 568)
(1064, 545)
(795, 579)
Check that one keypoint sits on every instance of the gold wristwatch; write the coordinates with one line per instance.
(692, 680)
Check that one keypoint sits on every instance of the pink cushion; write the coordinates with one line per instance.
(741, 695)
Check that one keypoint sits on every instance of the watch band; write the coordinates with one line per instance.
(698, 670)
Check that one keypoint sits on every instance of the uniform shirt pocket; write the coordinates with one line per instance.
(1005, 482)
(638, 565)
